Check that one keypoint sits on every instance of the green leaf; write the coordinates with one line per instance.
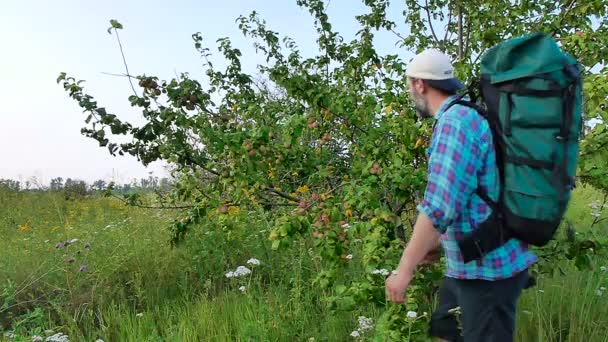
(340, 289)
(61, 77)
(276, 244)
(114, 24)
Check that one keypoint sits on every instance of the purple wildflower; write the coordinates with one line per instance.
(87, 245)
(58, 245)
(71, 260)
(83, 268)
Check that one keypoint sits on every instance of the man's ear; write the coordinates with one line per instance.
(419, 86)
(422, 87)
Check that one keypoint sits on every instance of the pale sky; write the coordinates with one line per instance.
(40, 125)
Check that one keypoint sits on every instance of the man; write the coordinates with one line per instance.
(461, 158)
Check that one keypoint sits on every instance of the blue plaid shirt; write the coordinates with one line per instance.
(461, 157)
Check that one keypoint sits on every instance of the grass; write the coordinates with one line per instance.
(137, 288)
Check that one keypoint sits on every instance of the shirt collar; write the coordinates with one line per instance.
(444, 106)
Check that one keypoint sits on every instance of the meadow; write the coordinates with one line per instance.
(92, 268)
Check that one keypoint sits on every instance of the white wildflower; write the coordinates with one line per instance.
(411, 314)
(599, 292)
(355, 334)
(99, 340)
(596, 214)
(383, 272)
(365, 323)
(242, 289)
(59, 337)
(240, 271)
(253, 261)
(602, 288)
(349, 257)
(37, 338)
(9, 335)
(603, 268)
(141, 314)
(73, 241)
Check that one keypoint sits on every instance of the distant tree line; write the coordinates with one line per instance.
(78, 187)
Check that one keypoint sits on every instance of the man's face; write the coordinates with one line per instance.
(416, 90)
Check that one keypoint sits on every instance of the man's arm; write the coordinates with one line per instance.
(425, 238)
(450, 182)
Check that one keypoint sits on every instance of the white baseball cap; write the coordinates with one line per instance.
(434, 67)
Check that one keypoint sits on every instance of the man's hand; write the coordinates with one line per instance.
(396, 285)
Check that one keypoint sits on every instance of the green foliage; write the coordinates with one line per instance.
(136, 288)
(327, 146)
(114, 24)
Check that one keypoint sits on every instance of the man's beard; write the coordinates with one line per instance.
(422, 107)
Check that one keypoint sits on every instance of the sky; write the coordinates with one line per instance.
(40, 125)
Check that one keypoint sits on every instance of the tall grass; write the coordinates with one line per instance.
(137, 288)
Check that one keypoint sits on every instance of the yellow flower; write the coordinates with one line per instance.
(24, 228)
(325, 197)
(348, 213)
(295, 174)
(303, 189)
(232, 211)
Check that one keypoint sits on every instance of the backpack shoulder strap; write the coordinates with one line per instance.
(498, 143)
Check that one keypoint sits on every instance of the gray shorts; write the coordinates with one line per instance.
(486, 309)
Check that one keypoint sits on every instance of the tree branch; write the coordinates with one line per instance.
(397, 34)
(282, 194)
(428, 15)
(460, 36)
(447, 27)
(124, 60)
(467, 45)
(118, 75)
(563, 14)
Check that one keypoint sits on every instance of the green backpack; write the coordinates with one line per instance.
(530, 93)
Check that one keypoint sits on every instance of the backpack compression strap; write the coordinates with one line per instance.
(563, 136)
